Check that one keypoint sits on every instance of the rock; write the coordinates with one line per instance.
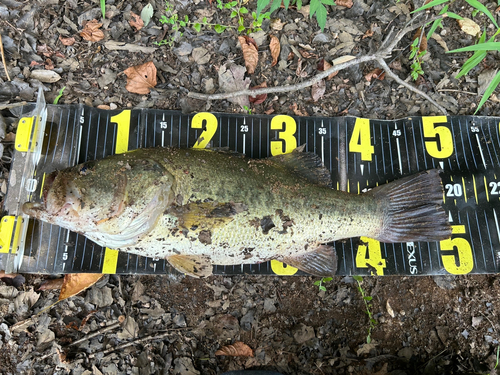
(183, 50)
(321, 38)
(99, 297)
(303, 333)
(247, 321)
(443, 333)
(201, 55)
(445, 281)
(476, 321)
(269, 305)
(130, 329)
(406, 353)
(45, 76)
(184, 366)
(179, 320)
(465, 333)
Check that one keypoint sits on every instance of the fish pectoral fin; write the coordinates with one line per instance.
(320, 262)
(192, 265)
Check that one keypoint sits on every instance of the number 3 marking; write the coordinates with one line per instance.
(288, 128)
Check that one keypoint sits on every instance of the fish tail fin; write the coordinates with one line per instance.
(412, 209)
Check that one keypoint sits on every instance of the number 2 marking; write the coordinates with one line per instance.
(209, 129)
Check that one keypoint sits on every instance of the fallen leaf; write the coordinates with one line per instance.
(307, 55)
(383, 370)
(75, 283)
(146, 13)
(299, 72)
(141, 78)
(468, 26)
(91, 31)
(46, 76)
(136, 21)
(232, 78)
(269, 111)
(344, 3)
(297, 111)
(51, 284)
(275, 47)
(325, 65)
(250, 53)
(259, 99)
(44, 50)
(318, 90)
(365, 349)
(390, 309)
(238, 349)
(276, 24)
(423, 42)
(104, 106)
(49, 64)
(396, 65)
(305, 10)
(67, 41)
(376, 73)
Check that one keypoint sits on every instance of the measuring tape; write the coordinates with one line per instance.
(360, 153)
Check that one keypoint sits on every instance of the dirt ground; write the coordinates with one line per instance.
(174, 324)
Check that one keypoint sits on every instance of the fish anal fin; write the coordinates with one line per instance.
(306, 164)
(322, 261)
(192, 265)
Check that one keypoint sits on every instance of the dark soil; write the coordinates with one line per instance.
(441, 325)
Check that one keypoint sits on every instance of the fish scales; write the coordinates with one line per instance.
(197, 208)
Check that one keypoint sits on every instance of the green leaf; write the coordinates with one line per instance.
(233, 14)
(204, 20)
(488, 46)
(476, 4)
(313, 7)
(327, 279)
(243, 10)
(322, 288)
(321, 14)
(103, 8)
(147, 13)
(219, 28)
(316, 282)
(454, 16)
(186, 18)
(228, 6)
(261, 4)
(275, 5)
(430, 5)
(358, 278)
(328, 2)
(182, 23)
(368, 339)
(197, 27)
(56, 100)
(368, 298)
(286, 3)
(241, 28)
(471, 63)
(299, 4)
(489, 90)
(241, 21)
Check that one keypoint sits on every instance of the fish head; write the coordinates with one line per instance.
(113, 201)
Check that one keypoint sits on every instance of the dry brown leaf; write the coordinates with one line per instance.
(104, 106)
(368, 32)
(269, 111)
(91, 31)
(325, 65)
(141, 78)
(75, 283)
(51, 284)
(297, 111)
(276, 24)
(67, 41)
(136, 21)
(344, 3)
(468, 26)
(307, 55)
(318, 90)
(423, 42)
(396, 65)
(259, 99)
(250, 53)
(238, 349)
(376, 73)
(275, 47)
(299, 72)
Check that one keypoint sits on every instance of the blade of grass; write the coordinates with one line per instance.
(103, 8)
(476, 4)
(488, 46)
(430, 5)
(56, 100)
(489, 90)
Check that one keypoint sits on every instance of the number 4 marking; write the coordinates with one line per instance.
(361, 139)
(369, 254)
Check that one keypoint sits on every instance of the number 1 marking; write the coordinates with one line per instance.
(122, 121)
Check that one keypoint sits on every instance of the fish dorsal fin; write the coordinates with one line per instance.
(320, 262)
(306, 164)
(192, 265)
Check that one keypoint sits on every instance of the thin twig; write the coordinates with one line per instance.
(137, 341)
(384, 51)
(12, 105)
(389, 72)
(3, 58)
(91, 335)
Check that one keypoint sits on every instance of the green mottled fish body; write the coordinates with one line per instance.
(197, 208)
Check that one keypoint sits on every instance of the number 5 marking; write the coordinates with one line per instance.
(288, 128)
(440, 134)
(370, 255)
(465, 260)
(208, 131)
(279, 268)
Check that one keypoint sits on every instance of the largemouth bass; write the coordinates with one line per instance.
(197, 208)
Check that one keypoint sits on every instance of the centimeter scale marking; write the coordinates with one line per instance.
(360, 153)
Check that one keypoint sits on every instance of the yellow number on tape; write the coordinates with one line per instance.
(361, 139)
(441, 147)
(462, 264)
(282, 269)
(122, 121)
(209, 129)
(23, 135)
(370, 255)
(10, 226)
(287, 127)
(110, 261)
